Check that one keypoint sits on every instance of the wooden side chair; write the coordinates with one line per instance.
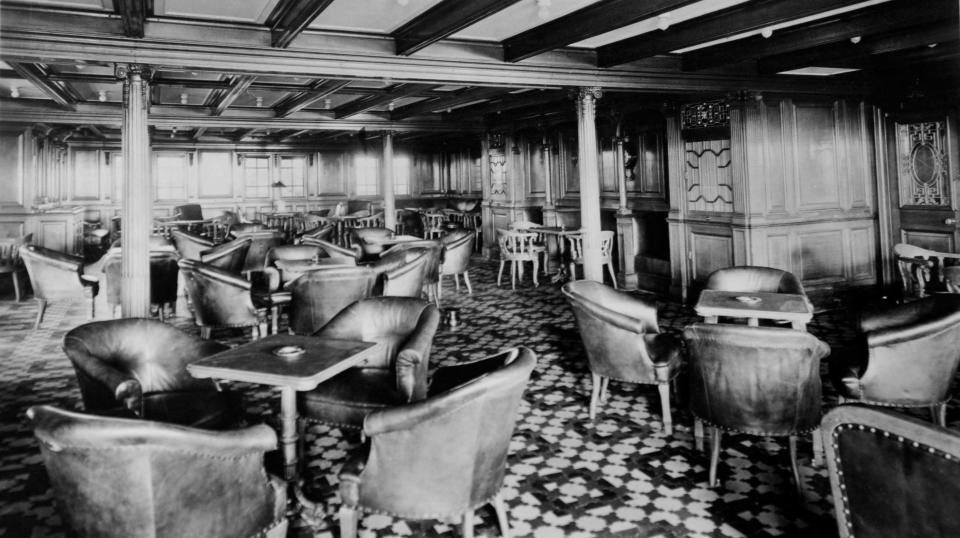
(606, 253)
(517, 248)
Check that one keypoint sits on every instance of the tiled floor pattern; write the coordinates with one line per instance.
(616, 476)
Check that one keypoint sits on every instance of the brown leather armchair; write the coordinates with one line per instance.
(349, 256)
(190, 245)
(445, 456)
(431, 281)
(623, 342)
(406, 328)
(756, 380)
(118, 477)
(907, 356)
(892, 476)
(402, 272)
(370, 241)
(317, 296)
(260, 243)
(138, 366)
(229, 256)
(457, 245)
(164, 273)
(57, 276)
(220, 299)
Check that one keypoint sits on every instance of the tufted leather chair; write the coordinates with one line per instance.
(190, 245)
(431, 281)
(402, 272)
(139, 366)
(164, 273)
(892, 476)
(458, 245)
(350, 256)
(317, 296)
(324, 232)
(755, 380)
(398, 376)
(260, 243)
(57, 276)
(228, 256)
(369, 241)
(119, 477)
(907, 356)
(623, 342)
(752, 279)
(445, 456)
(220, 299)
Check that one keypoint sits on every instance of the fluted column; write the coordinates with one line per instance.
(389, 198)
(589, 182)
(136, 210)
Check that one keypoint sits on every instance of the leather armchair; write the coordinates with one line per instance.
(445, 456)
(349, 256)
(907, 356)
(260, 243)
(752, 279)
(117, 477)
(399, 375)
(623, 342)
(220, 299)
(892, 476)
(317, 296)
(57, 276)
(370, 241)
(228, 256)
(402, 272)
(190, 245)
(137, 367)
(431, 281)
(164, 273)
(324, 232)
(458, 246)
(274, 276)
(756, 380)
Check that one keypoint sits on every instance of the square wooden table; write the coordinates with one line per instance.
(256, 362)
(755, 306)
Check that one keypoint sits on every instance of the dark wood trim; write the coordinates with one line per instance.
(741, 18)
(37, 76)
(198, 132)
(133, 15)
(584, 23)
(237, 87)
(443, 20)
(290, 17)
(440, 103)
(319, 90)
(365, 104)
(512, 101)
(241, 134)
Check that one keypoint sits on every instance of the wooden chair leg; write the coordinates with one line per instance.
(500, 508)
(698, 434)
(468, 524)
(500, 273)
(513, 275)
(794, 467)
(664, 389)
(605, 381)
(16, 285)
(716, 433)
(466, 280)
(348, 522)
(42, 308)
(160, 313)
(595, 394)
(536, 269)
(613, 276)
(456, 282)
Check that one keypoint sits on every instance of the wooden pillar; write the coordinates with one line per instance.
(627, 229)
(589, 182)
(389, 199)
(136, 209)
(549, 210)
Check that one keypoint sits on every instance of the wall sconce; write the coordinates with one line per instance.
(239, 159)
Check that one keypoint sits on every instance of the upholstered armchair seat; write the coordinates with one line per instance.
(349, 256)
(260, 244)
(403, 272)
(458, 246)
(164, 278)
(753, 279)
(370, 241)
(220, 298)
(57, 276)
(139, 366)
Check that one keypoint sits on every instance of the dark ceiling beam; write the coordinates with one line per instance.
(734, 20)
(290, 17)
(95, 131)
(584, 23)
(512, 101)
(198, 132)
(921, 59)
(874, 20)
(241, 134)
(363, 104)
(848, 54)
(38, 77)
(238, 86)
(318, 90)
(294, 135)
(133, 15)
(454, 100)
(442, 20)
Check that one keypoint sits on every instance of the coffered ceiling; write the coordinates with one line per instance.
(302, 70)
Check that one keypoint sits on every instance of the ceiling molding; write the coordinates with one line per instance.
(37, 76)
(364, 104)
(133, 15)
(319, 90)
(734, 20)
(458, 98)
(238, 86)
(290, 17)
(443, 20)
(584, 23)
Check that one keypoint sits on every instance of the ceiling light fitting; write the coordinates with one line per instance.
(855, 39)
(102, 96)
(663, 21)
(259, 101)
(766, 33)
(14, 92)
(183, 99)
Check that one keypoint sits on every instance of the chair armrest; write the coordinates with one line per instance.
(403, 417)
(125, 388)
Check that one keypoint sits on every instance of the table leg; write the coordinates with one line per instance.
(288, 432)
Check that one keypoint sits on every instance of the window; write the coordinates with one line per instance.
(291, 173)
(256, 176)
(401, 175)
(367, 175)
(170, 177)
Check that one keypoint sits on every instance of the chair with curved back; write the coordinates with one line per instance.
(892, 476)
(517, 248)
(261, 242)
(907, 356)
(57, 276)
(405, 327)
(403, 272)
(921, 270)
(349, 256)
(164, 273)
(317, 296)
(10, 262)
(370, 240)
(623, 342)
(575, 251)
(458, 246)
(951, 278)
(753, 279)
(431, 281)
(228, 256)
(445, 456)
(137, 367)
(126, 478)
(190, 245)
(323, 232)
(220, 299)
(432, 223)
(761, 381)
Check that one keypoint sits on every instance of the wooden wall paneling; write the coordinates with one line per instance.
(863, 259)
(707, 176)
(608, 174)
(817, 157)
(568, 171)
(932, 240)
(647, 179)
(85, 178)
(822, 256)
(776, 156)
(332, 169)
(778, 251)
(860, 187)
(711, 248)
(538, 169)
(215, 174)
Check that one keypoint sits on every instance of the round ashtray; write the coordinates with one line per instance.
(288, 352)
(748, 299)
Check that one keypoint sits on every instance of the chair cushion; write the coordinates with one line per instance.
(350, 396)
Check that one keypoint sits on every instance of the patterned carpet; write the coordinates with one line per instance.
(616, 476)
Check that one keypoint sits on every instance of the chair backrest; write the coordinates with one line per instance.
(892, 476)
(10, 251)
(116, 477)
(218, 297)
(189, 245)
(404, 272)
(323, 232)
(575, 245)
(291, 253)
(457, 245)
(188, 212)
(369, 239)
(260, 242)
(757, 380)
(753, 279)
(435, 259)
(453, 445)
(228, 256)
(317, 296)
(53, 275)
(516, 245)
(164, 273)
(347, 255)
(373, 221)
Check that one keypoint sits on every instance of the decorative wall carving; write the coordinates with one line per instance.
(708, 114)
(707, 176)
(922, 164)
(498, 172)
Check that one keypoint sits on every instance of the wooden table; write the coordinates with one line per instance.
(255, 362)
(735, 304)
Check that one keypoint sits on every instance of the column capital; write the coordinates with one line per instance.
(125, 71)
(587, 92)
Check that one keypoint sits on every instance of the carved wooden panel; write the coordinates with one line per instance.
(538, 168)
(922, 164)
(708, 253)
(821, 255)
(645, 156)
(86, 175)
(609, 183)
(333, 169)
(939, 241)
(707, 176)
(862, 262)
(816, 157)
(778, 251)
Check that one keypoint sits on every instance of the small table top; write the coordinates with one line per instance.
(395, 240)
(255, 362)
(764, 305)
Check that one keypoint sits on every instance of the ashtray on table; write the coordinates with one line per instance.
(748, 299)
(288, 352)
